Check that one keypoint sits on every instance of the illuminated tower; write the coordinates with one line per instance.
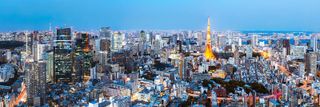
(82, 57)
(208, 51)
(62, 55)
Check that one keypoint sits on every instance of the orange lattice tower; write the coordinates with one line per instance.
(208, 51)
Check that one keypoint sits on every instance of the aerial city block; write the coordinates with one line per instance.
(106, 67)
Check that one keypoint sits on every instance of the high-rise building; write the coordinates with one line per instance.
(105, 32)
(311, 63)
(30, 82)
(104, 53)
(83, 57)
(208, 49)
(50, 67)
(182, 67)
(105, 44)
(314, 43)
(62, 52)
(254, 40)
(42, 81)
(116, 41)
(142, 42)
(36, 82)
(286, 45)
(185, 67)
(38, 50)
(157, 44)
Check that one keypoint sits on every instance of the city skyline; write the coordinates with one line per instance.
(152, 53)
(245, 15)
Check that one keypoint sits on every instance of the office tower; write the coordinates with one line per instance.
(29, 69)
(83, 57)
(142, 42)
(182, 67)
(62, 52)
(208, 49)
(105, 32)
(314, 43)
(286, 45)
(185, 67)
(38, 50)
(179, 46)
(116, 41)
(82, 42)
(254, 40)
(157, 44)
(36, 82)
(105, 44)
(104, 53)
(311, 63)
(50, 67)
(29, 42)
(35, 51)
(42, 81)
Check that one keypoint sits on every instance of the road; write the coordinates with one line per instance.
(21, 96)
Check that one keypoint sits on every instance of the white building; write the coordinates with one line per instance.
(117, 41)
(314, 43)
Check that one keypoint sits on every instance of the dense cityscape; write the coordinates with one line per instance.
(146, 68)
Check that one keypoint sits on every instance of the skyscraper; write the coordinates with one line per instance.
(104, 53)
(116, 41)
(50, 67)
(63, 55)
(105, 32)
(182, 67)
(208, 49)
(311, 63)
(142, 42)
(104, 44)
(254, 40)
(83, 57)
(30, 80)
(314, 43)
(36, 82)
(286, 44)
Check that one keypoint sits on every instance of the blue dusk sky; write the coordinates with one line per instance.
(238, 15)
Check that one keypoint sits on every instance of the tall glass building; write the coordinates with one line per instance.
(62, 59)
